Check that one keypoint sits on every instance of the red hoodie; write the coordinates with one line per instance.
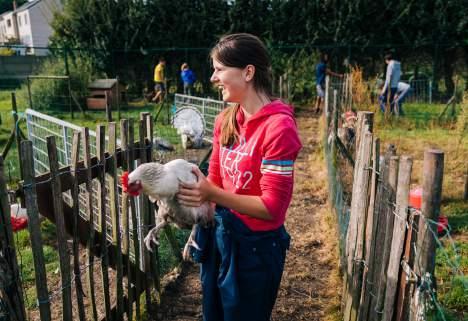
(261, 163)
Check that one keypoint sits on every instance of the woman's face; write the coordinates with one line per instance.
(232, 81)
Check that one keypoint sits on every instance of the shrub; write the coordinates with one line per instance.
(7, 52)
(299, 71)
(54, 93)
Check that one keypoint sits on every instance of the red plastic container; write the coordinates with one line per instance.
(415, 198)
(415, 201)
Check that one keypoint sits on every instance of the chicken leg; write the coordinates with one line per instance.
(153, 235)
(190, 242)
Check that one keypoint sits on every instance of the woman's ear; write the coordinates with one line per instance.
(249, 72)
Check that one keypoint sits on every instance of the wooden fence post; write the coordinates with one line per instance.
(144, 217)
(363, 118)
(126, 219)
(61, 231)
(135, 225)
(76, 213)
(407, 280)
(10, 285)
(356, 228)
(115, 219)
(35, 231)
(90, 214)
(370, 232)
(389, 201)
(433, 170)
(154, 256)
(100, 152)
(380, 217)
(399, 229)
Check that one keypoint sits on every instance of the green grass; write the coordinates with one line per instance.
(452, 278)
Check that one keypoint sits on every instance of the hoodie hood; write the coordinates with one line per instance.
(275, 107)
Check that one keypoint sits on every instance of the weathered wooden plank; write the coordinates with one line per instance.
(389, 208)
(114, 213)
(433, 170)
(145, 219)
(35, 231)
(399, 231)
(76, 213)
(64, 257)
(91, 231)
(100, 146)
(136, 290)
(380, 218)
(359, 207)
(363, 118)
(407, 282)
(125, 219)
(124, 196)
(154, 255)
(370, 241)
(65, 177)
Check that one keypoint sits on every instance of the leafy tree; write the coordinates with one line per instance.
(7, 5)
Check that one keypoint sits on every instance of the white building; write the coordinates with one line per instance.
(29, 24)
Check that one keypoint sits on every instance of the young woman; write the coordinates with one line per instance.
(250, 180)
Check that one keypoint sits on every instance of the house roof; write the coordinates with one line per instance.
(27, 5)
(102, 84)
(23, 7)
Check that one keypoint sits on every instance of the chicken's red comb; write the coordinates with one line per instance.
(124, 181)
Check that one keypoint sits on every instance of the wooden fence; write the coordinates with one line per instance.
(387, 248)
(127, 268)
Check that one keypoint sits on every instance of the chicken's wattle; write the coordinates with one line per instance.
(124, 182)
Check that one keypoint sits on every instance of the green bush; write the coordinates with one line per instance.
(54, 94)
(299, 70)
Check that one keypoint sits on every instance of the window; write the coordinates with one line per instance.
(25, 19)
(19, 21)
(8, 23)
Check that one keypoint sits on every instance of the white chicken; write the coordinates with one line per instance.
(161, 184)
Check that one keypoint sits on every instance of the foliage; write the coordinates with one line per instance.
(54, 93)
(7, 5)
(114, 33)
(298, 70)
(7, 52)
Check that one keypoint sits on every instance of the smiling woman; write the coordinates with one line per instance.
(250, 180)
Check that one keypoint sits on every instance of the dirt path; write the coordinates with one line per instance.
(310, 286)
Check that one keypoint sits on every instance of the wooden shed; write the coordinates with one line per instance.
(105, 92)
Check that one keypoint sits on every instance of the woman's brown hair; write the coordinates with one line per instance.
(239, 50)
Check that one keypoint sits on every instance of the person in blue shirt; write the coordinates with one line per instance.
(188, 78)
(392, 78)
(321, 71)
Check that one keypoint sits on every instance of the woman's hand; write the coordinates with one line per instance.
(196, 193)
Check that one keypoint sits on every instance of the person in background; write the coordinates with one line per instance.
(321, 71)
(392, 77)
(251, 178)
(188, 78)
(159, 80)
(403, 89)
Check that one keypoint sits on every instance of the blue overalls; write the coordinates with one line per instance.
(240, 269)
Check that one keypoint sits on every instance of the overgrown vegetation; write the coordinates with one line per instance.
(54, 93)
